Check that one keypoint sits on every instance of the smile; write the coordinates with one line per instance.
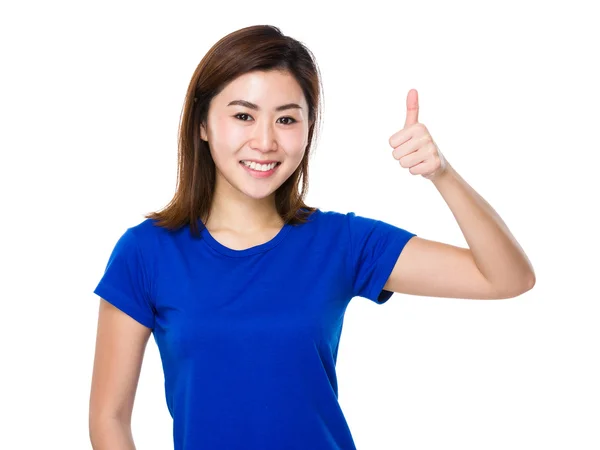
(257, 173)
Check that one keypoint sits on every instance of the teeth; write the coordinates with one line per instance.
(259, 167)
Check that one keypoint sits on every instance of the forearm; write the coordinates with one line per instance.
(495, 250)
(111, 434)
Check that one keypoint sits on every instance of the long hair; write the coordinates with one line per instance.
(263, 48)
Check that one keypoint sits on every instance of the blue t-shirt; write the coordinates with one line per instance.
(248, 339)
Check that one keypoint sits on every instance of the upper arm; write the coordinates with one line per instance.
(435, 269)
(120, 346)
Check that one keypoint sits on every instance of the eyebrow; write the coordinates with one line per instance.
(256, 107)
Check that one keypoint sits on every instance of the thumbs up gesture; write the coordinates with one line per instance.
(413, 145)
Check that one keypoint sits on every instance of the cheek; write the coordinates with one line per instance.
(295, 141)
(225, 133)
(294, 158)
(225, 140)
(233, 133)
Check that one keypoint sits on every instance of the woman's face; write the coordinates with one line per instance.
(238, 131)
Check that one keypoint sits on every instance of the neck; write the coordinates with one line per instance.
(234, 211)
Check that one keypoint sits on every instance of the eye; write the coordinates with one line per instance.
(239, 115)
(292, 120)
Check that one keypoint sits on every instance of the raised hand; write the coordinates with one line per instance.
(413, 145)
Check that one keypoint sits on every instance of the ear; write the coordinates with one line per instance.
(203, 135)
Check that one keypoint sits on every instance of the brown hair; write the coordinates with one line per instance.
(260, 47)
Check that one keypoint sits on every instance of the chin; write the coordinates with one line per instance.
(258, 195)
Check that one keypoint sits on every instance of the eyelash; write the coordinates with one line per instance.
(286, 117)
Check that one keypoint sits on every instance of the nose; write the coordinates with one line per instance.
(263, 138)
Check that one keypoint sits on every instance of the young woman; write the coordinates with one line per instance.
(244, 286)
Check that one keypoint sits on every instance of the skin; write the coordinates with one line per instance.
(120, 345)
(243, 210)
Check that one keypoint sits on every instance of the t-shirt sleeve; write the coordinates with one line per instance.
(126, 280)
(374, 249)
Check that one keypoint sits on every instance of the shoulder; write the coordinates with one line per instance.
(332, 217)
(144, 235)
(140, 231)
(328, 222)
(346, 221)
(148, 229)
(145, 227)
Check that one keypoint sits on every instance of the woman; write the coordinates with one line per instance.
(244, 286)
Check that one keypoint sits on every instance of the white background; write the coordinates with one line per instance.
(91, 95)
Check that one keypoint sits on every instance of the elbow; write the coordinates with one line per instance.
(531, 282)
(520, 288)
(110, 433)
(514, 289)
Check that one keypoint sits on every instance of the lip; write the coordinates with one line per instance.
(257, 161)
(258, 174)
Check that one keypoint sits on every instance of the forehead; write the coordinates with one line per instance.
(268, 89)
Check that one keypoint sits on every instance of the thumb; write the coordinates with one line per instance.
(412, 108)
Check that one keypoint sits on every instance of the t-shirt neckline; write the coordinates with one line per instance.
(216, 245)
